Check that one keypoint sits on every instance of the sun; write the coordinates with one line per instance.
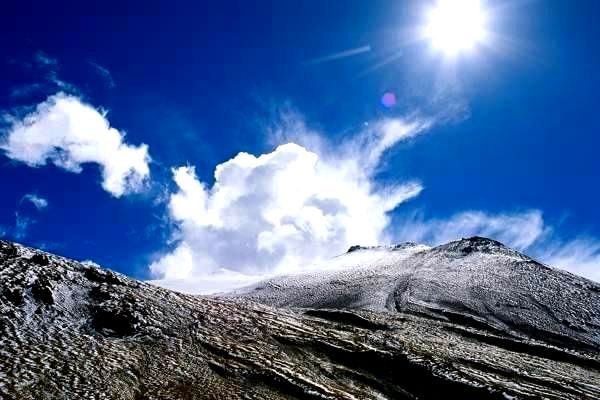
(455, 26)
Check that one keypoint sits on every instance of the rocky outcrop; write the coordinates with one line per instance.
(85, 332)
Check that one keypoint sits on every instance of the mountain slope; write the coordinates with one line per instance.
(474, 281)
(69, 330)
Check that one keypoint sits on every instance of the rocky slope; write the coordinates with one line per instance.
(70, 331)
(476, 281)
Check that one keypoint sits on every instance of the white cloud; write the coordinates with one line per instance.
(39, 202)
(525, 231)
(381, 136)
(282, 211)
(580, 256)
(214, 283)
(91, 263)
(517, 230)
(66, 132)
(367, 147)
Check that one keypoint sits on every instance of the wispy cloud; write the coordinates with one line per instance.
(66, 132)
(104, 73)
(50, 67)
(25, 90)
(44, 70)
(580, 256)
(526, 231)
(39, 202)
(62, 85)
(44, 59)
(518, 230)
(284, 210)
(22, 224)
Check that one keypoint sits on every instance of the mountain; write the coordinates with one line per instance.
(475, 281)
(406, 323)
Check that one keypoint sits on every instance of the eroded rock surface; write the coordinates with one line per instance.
(473, 282)
(104, 336)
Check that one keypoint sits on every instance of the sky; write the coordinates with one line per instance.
(217, 143)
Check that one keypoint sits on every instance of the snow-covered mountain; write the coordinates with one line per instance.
(475, 281)
(468, 320)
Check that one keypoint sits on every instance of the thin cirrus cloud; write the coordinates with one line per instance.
(23, 222)
(281, 211)
(580, 256)
(45, 69)
(526, 231)
(68, 133)
(104, 73)
(22, 225)
(38, 202)
(42, 58)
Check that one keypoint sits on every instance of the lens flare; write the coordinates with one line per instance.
(388, 100)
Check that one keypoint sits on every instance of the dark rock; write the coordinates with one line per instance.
(405, 245)
(40, 259)
(42, 291)
(115, 322)
(102, 276)
(10, 251)
(354, 248)
(15, 296)
(101, 293)
(116, 318)
(473, 244)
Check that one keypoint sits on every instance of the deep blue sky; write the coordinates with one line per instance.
(194, 80)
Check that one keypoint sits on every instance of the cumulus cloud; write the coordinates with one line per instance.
(38, 202)
(282, 211)
(212, 283)
(525, 231)
(66, 132)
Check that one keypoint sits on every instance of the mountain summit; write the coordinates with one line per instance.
(476, 280)
(471, 319)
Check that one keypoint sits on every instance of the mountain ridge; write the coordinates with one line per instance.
(477, 277)
(72, 330)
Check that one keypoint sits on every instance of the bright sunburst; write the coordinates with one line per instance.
(454, 26)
